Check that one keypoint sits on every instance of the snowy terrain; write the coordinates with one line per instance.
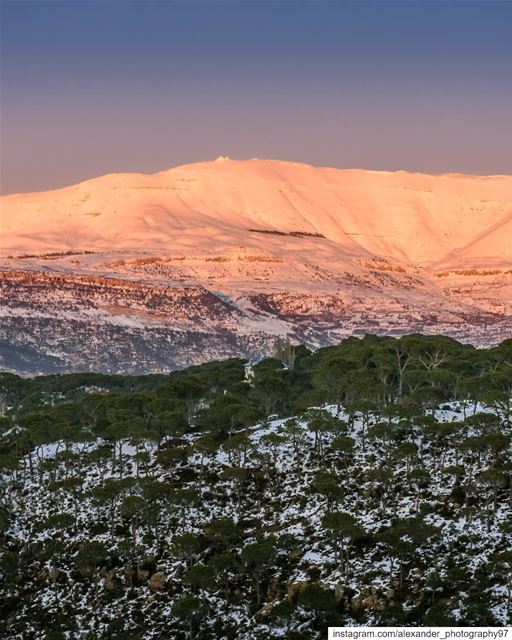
(218, 258)
(270, 484)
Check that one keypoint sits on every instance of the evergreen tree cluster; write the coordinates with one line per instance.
(367, 483)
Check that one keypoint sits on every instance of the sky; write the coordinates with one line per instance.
(94, 87)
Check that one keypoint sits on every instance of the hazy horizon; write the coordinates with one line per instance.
(90, 88)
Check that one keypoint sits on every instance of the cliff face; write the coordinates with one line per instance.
(143, 273)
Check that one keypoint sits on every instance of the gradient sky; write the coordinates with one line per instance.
(91, 87)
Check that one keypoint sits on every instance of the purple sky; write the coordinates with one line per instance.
(89, 88)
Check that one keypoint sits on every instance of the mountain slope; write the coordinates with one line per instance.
(282, 248)
(401, 215)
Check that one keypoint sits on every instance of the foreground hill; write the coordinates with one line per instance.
(150, 272)
(363, 484)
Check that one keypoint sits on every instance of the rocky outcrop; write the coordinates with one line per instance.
(371, 599)
(157, 581)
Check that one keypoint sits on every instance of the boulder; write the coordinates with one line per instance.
(294, 588)
(157, 581)
(295, 554)
(145, 568)
(111, 581)
(54, 574)
(273, 588)
(129, 572)
(142, 574)
(339, 592)
(42, 575)
(370, 599)
(264, 612)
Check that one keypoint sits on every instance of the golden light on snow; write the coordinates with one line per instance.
(411, 217)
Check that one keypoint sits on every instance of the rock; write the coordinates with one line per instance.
(142, 574)
(148, 562)
(369, 598)
(375, 603)
(264, 612)
(111, 581)
(129, 572)
(157, 581)
(295, 554)
(273, 588)
(339, 592)
(54, 574)
(294, 588)
(42, 575)
(145, 568)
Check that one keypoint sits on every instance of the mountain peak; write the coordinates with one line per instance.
(410, 217)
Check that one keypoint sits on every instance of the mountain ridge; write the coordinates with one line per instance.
(315, 254)
(448, 174)
(347, 206)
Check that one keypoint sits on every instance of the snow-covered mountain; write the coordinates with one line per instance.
(133, 272)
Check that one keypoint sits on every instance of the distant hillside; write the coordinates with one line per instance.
(219, 258)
